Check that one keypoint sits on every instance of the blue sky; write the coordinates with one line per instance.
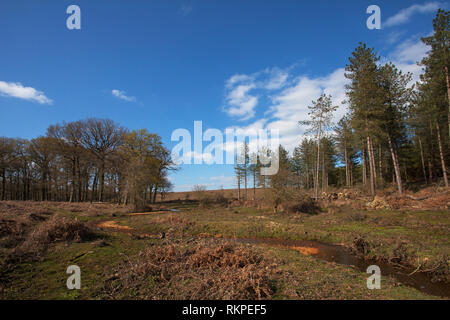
(161, 65)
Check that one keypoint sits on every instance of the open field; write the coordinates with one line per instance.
(223, 251)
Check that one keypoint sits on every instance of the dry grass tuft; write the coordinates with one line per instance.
(17, 219)
(60, 229)
(209, 270)
(51, 231)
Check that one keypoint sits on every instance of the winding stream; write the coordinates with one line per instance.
(338, 254)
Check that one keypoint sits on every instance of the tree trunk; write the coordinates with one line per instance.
(154, 194)
(441, 152)
(239, 187)
(316, 182)
(43, 187)
(245, 183)
(151, 193)
(448, 99)
(373, 163)
(323, 171)
(307, 177)
(94, 183)
(72, 190)
(371, 168)
(79, 179)
(254, 185)
(347, 173)
(364, 169)
(396, 166)
(25, 180)
(423, 161)
(380, 164)
(11, 188)
(4, 184)
(430, 170)
(102, 180)
(351, 176)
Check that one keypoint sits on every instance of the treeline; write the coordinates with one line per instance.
(87, 160)
(394, 133)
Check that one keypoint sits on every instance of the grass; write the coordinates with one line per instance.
(425, 233)
(416, 238)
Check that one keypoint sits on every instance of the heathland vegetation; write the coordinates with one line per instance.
(370, 189)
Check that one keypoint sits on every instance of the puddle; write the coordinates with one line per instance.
(113, 225)
(338, 254)
(126, 229)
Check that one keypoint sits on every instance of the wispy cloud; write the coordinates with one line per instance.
(122, 95)
(241, 91)
(404, 15)
(17, 90)
(185, 9)
(240, 102)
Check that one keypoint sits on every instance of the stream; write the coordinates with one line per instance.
(338, 254)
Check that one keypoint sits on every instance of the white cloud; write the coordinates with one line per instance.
(406, 56)
(238, 78)
(276, 80)
(410, 51)
(122, 95)
(241, 103)
(404, 15)
(289, 104)
(241, 91)
(394, 36)
(17, 90)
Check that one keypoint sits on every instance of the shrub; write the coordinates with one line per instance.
(291, 200)
(52, 231)
(206, 271)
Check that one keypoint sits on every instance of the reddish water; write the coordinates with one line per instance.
(338, 254)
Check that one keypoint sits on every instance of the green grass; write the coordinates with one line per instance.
(47, 279)
(315, 279)
(425, 233)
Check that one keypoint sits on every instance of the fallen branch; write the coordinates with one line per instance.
(415, 270)
(417, 199)
(80, 255)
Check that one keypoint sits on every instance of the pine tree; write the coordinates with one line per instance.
(435, 84)
(363, 94)
(437, 62)
(344, 139)
(321, 113)
(395, 98)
